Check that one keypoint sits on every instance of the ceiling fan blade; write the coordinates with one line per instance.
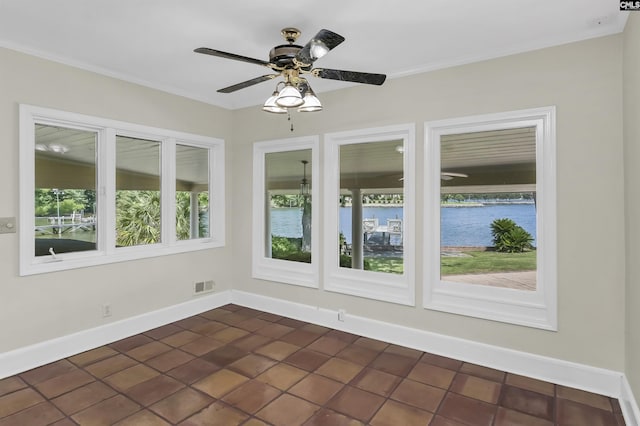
(356, 77)
(455, 174)
(221, 54)
(248, 83)
(318, 46)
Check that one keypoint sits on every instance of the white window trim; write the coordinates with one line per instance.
(388, 287)
(278, 270)
(529, 308)
(106, 252)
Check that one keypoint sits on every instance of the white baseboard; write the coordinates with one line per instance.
(630, 409)
(592, 379)
(26, 358)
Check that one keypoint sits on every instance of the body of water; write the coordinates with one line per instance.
(460, 226)
(470, 226)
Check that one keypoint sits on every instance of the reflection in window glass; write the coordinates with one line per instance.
(488, 208)
(372, 206)
(288, 218)
(65, 190)
(192, 192)
(138, 220)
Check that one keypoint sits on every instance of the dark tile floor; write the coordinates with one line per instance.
(235, 365)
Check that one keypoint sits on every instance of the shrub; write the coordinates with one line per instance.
(515, 241)
(508, 237)
(345, 262)
(283, 246)
(298, 256)
(499, 227)
(288, 249)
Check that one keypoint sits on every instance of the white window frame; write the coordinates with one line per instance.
(529, 308)
(388, 287)
(106, 251)
(278, 270)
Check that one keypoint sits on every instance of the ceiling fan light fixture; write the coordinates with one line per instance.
(271, 106)
(53, 147)
(58, 148)
(317, 49)
(305, 187)
(289, 97)
(311, 102)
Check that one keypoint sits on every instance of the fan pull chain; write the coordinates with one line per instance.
(289, 119)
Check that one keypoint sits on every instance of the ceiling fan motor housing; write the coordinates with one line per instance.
(282, 56)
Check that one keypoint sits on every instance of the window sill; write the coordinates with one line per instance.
(67, 261)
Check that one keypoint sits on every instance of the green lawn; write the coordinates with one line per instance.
(394, 265)
(480, 262)
(477, 262)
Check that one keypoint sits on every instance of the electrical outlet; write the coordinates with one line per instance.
(341, 314)
(106, 310)
(7, 225)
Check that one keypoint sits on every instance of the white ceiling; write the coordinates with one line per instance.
(151, 42)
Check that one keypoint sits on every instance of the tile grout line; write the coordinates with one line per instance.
(349, 340)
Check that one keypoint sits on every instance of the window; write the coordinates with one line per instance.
(96, 191)
(192, 192)
(285, 217)
(65, 190)
(369, 225)
(490, 217)
(138, 197)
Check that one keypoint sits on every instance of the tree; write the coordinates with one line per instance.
(306, 224)
(284, 200)
(137, 217)
(45, 202)
(71, 200)
(183, 214)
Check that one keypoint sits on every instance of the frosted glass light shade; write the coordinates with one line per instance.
(311, 103)
(318, 49)
(289, 97)
(271, 106)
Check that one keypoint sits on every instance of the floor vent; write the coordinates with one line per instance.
(203, 287)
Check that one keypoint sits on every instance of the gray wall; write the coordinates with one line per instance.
(632, 178)
(584, 81)
(42, 307)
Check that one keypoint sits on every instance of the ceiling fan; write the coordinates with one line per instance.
(292, 61)
(452, 175)
(447, 176)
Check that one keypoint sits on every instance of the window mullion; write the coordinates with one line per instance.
(107, 190)
(168, 191)
(217, 194)
(213, 231)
